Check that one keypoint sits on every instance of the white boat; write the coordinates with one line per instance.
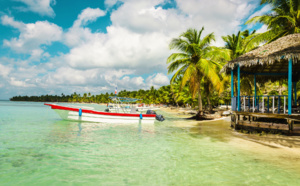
(120, 107)
(78, 114)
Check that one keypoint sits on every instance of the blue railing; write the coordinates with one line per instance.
(264, 104)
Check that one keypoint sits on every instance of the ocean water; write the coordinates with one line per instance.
(38, 148)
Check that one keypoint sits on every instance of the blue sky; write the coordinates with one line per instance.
(66, 46)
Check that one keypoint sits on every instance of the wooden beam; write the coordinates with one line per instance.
(264, 73)
(269, 115)
(264, 125)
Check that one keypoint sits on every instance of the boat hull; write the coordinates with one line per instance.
(68, 113)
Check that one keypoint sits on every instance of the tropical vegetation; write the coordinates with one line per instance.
(152, 96)
(283, 20)
(197, 63)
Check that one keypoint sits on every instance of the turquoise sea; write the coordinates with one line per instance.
(38, 148)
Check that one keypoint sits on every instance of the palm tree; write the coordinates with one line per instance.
(196, 60)
(240, 44)
(284, 19)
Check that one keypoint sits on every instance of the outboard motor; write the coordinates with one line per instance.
(158, 116)
(150, 112)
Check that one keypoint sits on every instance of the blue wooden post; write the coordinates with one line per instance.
(232, 84)
(290, 86)
(295, 92)
(232, 89)
(239, 89)
(255, 90)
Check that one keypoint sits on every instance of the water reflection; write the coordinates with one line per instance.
(65, 131)
(79, 128)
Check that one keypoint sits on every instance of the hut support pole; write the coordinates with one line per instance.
(295, 92)
(254, 90)
(239, 89)
(290, 86)
(232, 88)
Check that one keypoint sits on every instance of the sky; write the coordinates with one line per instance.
(66, 46)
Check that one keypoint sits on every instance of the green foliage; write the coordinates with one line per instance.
(197, 62)
(162, 95)
(284, 19)
(240, 44)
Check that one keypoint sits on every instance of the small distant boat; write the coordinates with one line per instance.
(122, 105)
(78, 114)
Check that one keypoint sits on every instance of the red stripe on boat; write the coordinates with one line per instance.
(97, 112)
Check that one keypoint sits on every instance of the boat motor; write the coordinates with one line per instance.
(158, 116)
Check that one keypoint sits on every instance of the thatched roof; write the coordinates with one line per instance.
(270, 58)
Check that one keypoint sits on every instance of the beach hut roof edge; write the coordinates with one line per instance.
(270, 58)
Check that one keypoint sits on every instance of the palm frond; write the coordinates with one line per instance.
(176, 64)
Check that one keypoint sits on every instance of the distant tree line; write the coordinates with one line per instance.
(163, 95)
(152, 96)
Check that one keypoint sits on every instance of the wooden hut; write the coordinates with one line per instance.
(274, 61)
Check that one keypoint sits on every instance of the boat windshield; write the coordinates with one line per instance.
(124, 100)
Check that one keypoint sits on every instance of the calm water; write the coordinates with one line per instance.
(38, 148)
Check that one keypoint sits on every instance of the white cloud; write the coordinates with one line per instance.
(131, 83)
(38, 54)
(78, 35)
(112, 77)
(10, 21)
(143, 17)
(157, 80)
(73, 77)
(262, 29)
(5, 70)
(88, 15)
(267, 8)
(223, 17)
(110, 3)
(121, 48)
(19, 83)
(42, 7)
(32, 35)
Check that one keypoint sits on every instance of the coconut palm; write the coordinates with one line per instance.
(241, 43)
(196, 60)
(283, 20)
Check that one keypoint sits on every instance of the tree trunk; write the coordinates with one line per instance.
(208, 98)
(209, 104)
(200, 111)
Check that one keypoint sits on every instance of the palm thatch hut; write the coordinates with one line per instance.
(274, 61)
